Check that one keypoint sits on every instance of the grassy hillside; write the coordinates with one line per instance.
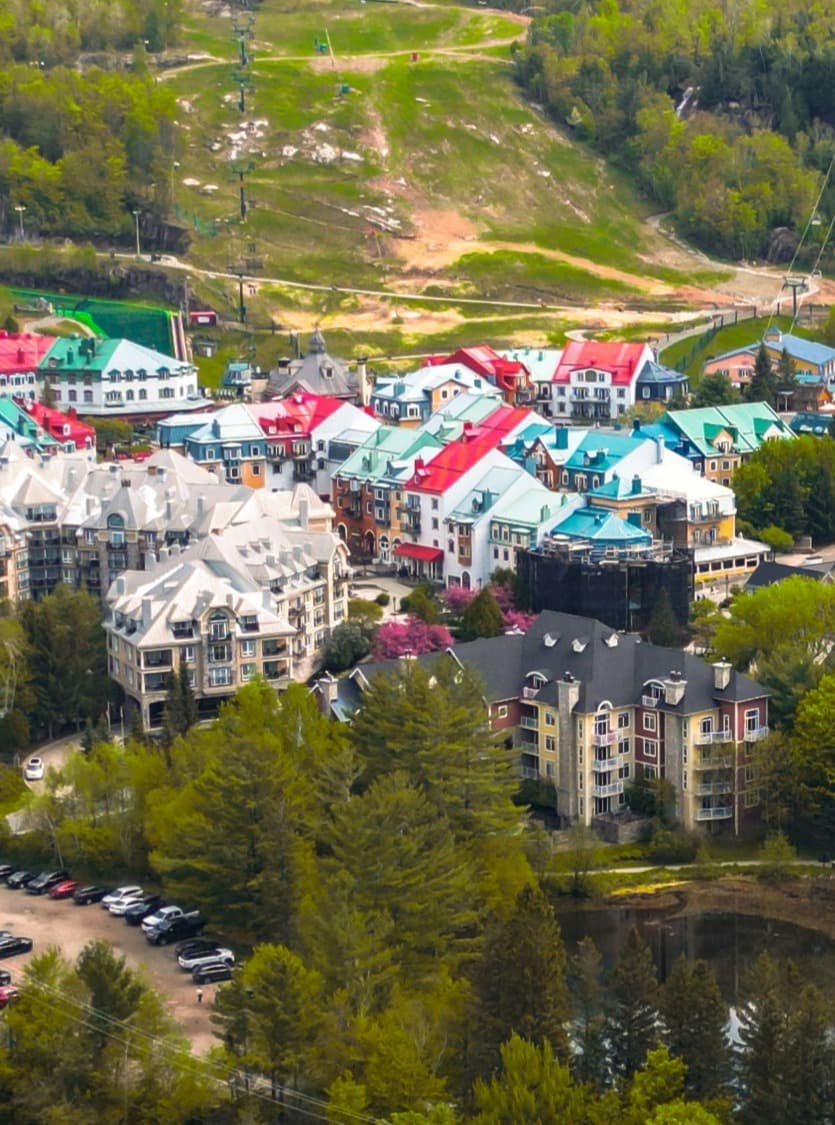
(372, 170)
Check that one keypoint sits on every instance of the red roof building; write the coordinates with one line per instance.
(20, 355)
(595, 380)
(510, 375)
(462, 455)
(294, 418)
(64, 428)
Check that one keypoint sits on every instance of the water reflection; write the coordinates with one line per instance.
(729, 942)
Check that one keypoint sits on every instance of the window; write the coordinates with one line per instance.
(434, 524)
(550, 742)
(650, 748)
(247, 671)
(649, 721)
(550, 719)
(220, 677)
(623, 771)
(624, 746)
(247, 648)
(501, 711)
(650, 772)
(434, 503)
(752, 720)
(706, 726)
(220, 654)
(256, 470)
(218, 629)
(623, 719)
(188, 654)
(752, 798)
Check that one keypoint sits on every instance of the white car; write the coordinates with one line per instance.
(190, 961)
(119, 907)
(34, 769)
(120, 895)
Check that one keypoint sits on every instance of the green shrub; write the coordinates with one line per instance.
(668, 846)
(383, 599)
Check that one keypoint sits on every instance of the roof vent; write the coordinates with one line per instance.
(568, 678)
(549, 641)
(579, 644)
(611, 640)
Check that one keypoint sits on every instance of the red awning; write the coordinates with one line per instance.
(416, 551)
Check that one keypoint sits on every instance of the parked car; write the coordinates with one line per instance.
(11, 946)
(138, 911)
(192, 961)
(119, 894)
(118, 908)
(174, 929)
(162, 916)
(19, 879)
(91, 893)
(5, 977)
(6, 870)
(34, 769)
(46, 881)
(8, 993)
(65, 889)
(196, 945)
(211, 973)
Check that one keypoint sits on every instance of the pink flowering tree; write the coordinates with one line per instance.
(412, 637)
(455, 599)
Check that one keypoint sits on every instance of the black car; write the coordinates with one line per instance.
(6, 870)
(5, 977)
(85, 895)
(13, 945)
(134, 914)
(196, 945)
(19, 879)
(45, 880)
(210, 974)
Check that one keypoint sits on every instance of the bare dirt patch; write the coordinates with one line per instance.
(70, 927)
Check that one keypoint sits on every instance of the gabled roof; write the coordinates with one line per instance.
(55, 422)
(657, 374)
(460, 456)
(749, 423)
(622, 360)
(300, 412)
(807, 351)
(600, 451)
(316, 372)
(230, 423)
(770, 573)
(22, 352)
(608, 666)
(105, 355)
(388, 452)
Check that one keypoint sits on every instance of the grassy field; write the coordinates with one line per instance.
(353, 164)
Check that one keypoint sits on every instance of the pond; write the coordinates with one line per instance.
(729, 942)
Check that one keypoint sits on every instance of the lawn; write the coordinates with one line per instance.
(703, 347)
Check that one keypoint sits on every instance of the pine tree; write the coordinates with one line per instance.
(521, 983)
(762, 1035)
(696, 1016)
(589, 1018)
(663, 627)
(482, 617)
(763, 382)
(632, 1024)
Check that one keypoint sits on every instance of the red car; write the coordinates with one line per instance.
(8, 993)
(64, 890)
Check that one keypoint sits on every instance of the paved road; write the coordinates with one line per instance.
(54, 755)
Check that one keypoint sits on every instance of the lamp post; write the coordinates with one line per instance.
(20, 209)
(136, 214)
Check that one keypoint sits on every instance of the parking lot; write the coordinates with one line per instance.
(70, 927)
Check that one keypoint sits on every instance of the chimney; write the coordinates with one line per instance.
(120, 584)
(568, 693)
(636, 485)
(562, 437)
(284, 556)
(89, 505)
(304, 513)
(266, 599)
(201, 504)
(146, 612)
(329, 686)
(419, 464)
(150, 559)
(721, 675)
(163, 554)
(362, 379)
(674, 688)
(659, 450)
(297, 553)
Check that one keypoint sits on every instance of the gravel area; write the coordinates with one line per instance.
(70, 927)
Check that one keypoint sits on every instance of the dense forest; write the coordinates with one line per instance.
(83, 137)
(724, 114)
(401, 956)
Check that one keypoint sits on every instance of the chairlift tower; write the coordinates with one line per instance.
(241, 170)
(243, 81)
(797, 285)
(241, 32)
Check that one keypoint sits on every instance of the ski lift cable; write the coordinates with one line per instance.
(806, 228)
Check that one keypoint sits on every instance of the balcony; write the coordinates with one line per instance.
(157, 681)
(276, 670)
(604, 738)
(707, 762)
(274, 648)
(650, 700)
(724, 812)
(603, 765)
(755, 734)
(528, 773)
(610, 790)
(704, 738)
(528, 723)
(530, 692)
(713, 789)
(157, 659)
(722, 736)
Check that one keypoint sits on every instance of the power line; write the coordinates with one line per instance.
(188, 1063)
